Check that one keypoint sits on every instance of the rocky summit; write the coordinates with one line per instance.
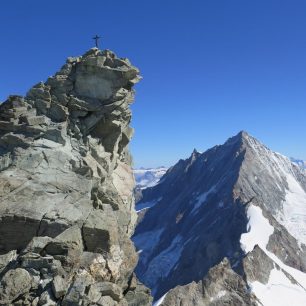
(66, 188)
(226, 227)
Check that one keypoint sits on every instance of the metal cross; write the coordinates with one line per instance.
(96, 38)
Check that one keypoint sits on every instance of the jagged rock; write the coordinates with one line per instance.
(292, 254)
(37, 120)
(66, 185)
(47, 299)
(37, 244)
(70, 239)
(96, 265)
(221, 286)
(78, 290)
(98, 290)
(138, 294)
(59, 286)
(35, 261)
(263, 265)
(107, 301)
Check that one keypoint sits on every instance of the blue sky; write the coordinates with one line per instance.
(210, 68)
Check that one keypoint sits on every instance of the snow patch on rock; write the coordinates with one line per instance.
(293, 216)
(144, 205)
(279, 291)
(160, 301)
(259, 230)
(220, 294)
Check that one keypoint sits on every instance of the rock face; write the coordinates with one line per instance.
(221, 286)
(66, 188)
(239, 201)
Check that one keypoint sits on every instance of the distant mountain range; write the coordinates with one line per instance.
(301, 163)
(148, 177)
(226, 227)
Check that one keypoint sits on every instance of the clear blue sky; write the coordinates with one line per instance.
(210, 67)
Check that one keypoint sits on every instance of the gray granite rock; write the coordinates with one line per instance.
(59, 286)
(13, 284)
(6, 259)
(138, 294)
(66, 185)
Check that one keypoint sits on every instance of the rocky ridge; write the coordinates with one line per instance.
(221, 286)
(239, 202)
(66, 188)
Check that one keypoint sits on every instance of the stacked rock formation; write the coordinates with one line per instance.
(66, 188)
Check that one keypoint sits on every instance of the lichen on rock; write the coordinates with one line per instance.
(66, 187)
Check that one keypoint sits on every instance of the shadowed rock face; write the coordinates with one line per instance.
(199, 222)
(203, 206)
(221, 286)
(66, 187)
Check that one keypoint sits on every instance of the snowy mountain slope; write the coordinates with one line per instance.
(283, 283)
(148, 177)
(229, 202)
(277, 183)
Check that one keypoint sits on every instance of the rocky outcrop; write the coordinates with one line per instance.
(66, 188)
(221, 286)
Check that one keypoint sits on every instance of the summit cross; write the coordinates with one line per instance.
(96, 38)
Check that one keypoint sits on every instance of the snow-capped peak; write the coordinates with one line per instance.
(148, 177)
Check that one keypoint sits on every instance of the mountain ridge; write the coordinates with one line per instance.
(203, 209)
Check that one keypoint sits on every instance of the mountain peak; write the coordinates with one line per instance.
(195, 153)
(244, 134)
(248, 143)
(203, 206)
(66, 187)
(240, 137)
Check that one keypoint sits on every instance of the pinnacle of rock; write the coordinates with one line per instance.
(66, 187)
